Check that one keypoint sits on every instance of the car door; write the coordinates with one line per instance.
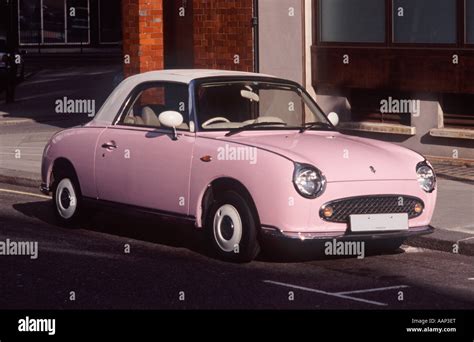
(138, 162)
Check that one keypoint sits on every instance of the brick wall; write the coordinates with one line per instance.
(142, 35)
(222, 34)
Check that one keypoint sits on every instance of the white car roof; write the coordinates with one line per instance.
(188, 75)
(111, 107)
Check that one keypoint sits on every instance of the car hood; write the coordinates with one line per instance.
(340, 157)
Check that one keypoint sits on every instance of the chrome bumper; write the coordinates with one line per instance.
(274, 232)
(44, 188)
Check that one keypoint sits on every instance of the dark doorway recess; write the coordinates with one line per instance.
(178, 34)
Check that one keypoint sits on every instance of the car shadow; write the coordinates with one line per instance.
(143, 227)
(150, 228)
(284, 251)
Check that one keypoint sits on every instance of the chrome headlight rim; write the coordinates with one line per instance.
(426, 165)
(301, 168)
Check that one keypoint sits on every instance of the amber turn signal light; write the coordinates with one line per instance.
(328, 212)
(418, 208)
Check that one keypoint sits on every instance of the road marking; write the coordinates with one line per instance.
(325, 293)
(15, 122)
(24, 193)
(470, 278)
(375, 290)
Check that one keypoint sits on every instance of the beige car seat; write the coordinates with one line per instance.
(150, 118)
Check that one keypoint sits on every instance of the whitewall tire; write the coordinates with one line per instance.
(67, 200)
(231, 226)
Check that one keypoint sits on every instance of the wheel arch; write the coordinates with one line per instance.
(222, 184)
(62, 164)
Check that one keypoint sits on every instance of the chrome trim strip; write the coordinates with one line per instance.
(271, 231)
(352, 198)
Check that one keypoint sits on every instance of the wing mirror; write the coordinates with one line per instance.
(333, 118)
(171, 119)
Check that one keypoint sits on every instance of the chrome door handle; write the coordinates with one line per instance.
(111, 145)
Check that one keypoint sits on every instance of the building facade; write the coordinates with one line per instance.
(398, 70)
(62, 24)
(214, 34)
(395, 70)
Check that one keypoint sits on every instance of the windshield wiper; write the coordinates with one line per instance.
(309, 125)
(254, 125)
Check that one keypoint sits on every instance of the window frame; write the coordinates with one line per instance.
(195, 84)
(41, 41)
(133, 96)
(461, 41)
(464, 18)
(317, 28)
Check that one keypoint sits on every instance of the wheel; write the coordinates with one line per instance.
(232, 228)
(67, 200)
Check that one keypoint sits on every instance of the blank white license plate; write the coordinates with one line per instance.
(378, 222)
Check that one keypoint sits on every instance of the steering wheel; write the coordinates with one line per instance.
(214, 120)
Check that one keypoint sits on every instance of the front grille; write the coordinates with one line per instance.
(386, 204)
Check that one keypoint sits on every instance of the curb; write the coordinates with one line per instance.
(21, 178)
(454, 178)
(40, 119)
(445, 241)
(450, 161)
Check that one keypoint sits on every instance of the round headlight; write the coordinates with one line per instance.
(308, 181)
(426, 176)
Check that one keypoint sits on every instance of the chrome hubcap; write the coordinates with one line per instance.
(227, 228)
(66, 200)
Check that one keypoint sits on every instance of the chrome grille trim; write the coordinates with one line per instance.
(372, 204)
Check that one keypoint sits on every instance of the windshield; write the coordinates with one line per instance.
(225, 106)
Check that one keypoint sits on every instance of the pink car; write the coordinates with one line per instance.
(241, 155)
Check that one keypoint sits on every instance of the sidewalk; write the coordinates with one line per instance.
(37, 96)
(27, 124)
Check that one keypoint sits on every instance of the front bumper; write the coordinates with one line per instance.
(44, 188)
(273, 232)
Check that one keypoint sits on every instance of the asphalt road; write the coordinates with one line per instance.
(167, 267)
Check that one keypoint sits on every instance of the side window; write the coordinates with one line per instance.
(152, 100)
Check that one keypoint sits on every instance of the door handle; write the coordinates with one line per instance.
(111, 145)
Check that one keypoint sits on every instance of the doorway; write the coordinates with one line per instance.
(178, 34)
